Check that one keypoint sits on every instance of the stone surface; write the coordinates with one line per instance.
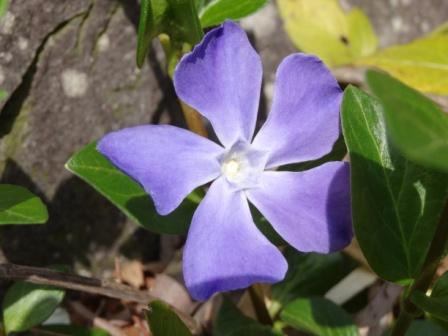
(82, 83)
(401, 21)
(22, 30)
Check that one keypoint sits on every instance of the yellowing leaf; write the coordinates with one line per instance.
(422, 64)
(321, 27)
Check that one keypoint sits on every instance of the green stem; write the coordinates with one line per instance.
(402, 324)
(436, 251)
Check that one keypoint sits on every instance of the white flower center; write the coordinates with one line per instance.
(242, 165)
(231, 169)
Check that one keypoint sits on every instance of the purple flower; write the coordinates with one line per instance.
(221, 79)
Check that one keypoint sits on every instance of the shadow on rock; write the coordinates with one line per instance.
(82, 223)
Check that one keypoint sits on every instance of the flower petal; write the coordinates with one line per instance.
(309, 209)
(169, 162)
(224, 250)
(221, 78)
(304, 121)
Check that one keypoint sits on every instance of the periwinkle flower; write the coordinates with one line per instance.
(221, 78)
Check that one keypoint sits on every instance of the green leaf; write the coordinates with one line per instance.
(164, 322)
(437, 307)
(26, 305)
(128, 195)
(184, 25)
(309, 274)
(3, 7)
(321, 27)
(416, 125)
(230, 321)
(440, 288)
(395, 203)
(176, 18)
(72, 330)
(437, 303)
(421, 64)
(218, 11)
(319, 316)
(420, 327)
(146, 31)
(3, 93)
(19, 206)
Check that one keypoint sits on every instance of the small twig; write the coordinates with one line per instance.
(95, 320)
(45, 276)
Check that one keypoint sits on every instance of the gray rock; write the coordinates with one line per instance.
(401, 21)
(22, 30)
(81, 83)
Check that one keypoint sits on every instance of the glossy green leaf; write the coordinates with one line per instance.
(218, 11)
(319, 316)
(437, 303)
(395, 203)
(164, 322)
(417, 126)
(309, 274)
(178, 19)
(322, 28)
(146, 31)
(26, 305)
(128, 195)
(19, 206)
(422, 64)
(153, 15)
(184, 25)
(230, 321)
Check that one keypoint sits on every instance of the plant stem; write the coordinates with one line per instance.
(257, 298)
(193, 119)
(436, 250)
(402, 324)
